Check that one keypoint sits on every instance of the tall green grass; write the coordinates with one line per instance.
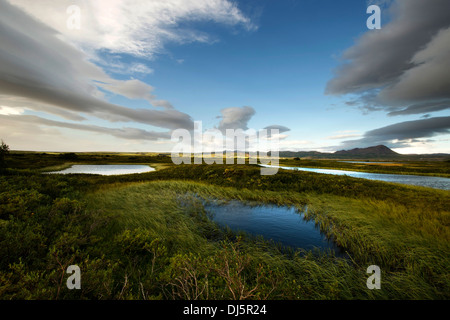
(439, 168)
(146, 236)
(409, 245)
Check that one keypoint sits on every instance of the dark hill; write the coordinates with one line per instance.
(379, 152)
(376, 151)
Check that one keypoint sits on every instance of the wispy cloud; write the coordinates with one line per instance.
(280, 128)
(123, 133)
(53, 76)
(235, 118)
(401, 68)
(48, 68)
(344, 135)
(402, 134)
(139, 28)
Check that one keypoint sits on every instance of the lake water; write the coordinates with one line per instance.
(105, 169)
(285, 225)
(424, 181)
(371, 162)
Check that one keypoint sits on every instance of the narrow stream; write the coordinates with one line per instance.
(424, 181)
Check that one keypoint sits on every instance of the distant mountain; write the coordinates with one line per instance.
(376, 151)
(379, 152)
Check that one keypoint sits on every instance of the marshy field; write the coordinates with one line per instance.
(151, 236)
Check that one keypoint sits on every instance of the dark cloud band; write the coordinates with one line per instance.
(404, 66)
(36, 65)
(403, 133)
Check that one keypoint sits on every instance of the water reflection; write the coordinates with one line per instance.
(282, 224)
(424, 181)
(105, 169)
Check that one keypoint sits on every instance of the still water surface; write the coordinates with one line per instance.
(282, 224)
(424, 181)
(105, 169)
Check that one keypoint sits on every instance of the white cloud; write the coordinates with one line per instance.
(48, 68)
(139, 28)
(114, 65)
(18, 105)
(123, 133)
(53, 76)
(5, 110)
(139, 68)
(235, 118)
(344, 134)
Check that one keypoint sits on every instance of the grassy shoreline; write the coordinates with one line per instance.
(144, 236)
(369, 239)
(48, 161)
(424, 168)
(156, 166)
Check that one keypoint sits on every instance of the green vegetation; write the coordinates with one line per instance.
(50, 161)
(58, 161)
(4, 150)
(147, 236)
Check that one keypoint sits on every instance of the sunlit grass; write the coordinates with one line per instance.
(146, 236)
(425, 168)
(407, 243)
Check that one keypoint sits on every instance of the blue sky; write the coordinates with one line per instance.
(195, 59)
(280, 69)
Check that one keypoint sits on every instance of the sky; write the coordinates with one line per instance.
(122, 75)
